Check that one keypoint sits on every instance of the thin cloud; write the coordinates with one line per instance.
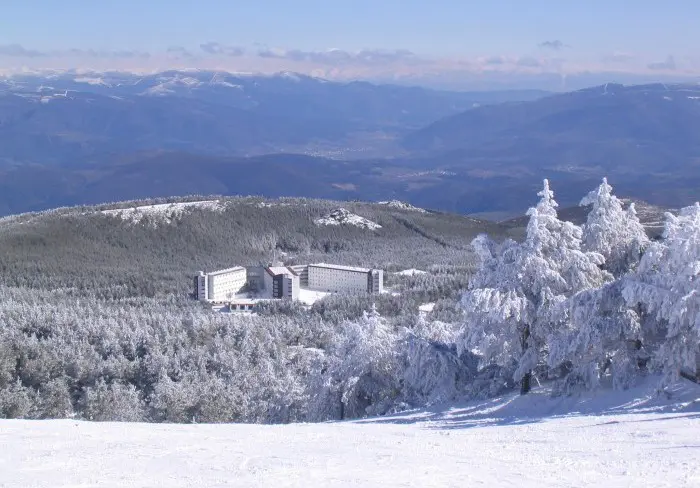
(16, 50)
(494, 60)
(668, 65)
(618, 57)
(179, 52)
(217, 48)
(340, 57)
(529, 62)
(556, 44)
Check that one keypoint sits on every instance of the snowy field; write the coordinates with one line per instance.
(165, 211)
(309, 297)
(614, 440)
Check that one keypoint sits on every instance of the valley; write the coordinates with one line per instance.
(198, 132)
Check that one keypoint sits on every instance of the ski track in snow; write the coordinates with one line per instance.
(509, 441)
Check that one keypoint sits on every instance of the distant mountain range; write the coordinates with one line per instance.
(71, 138)
(70, 117)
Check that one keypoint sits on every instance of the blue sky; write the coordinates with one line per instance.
(562, 37)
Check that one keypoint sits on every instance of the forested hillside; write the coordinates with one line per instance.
(96, 321)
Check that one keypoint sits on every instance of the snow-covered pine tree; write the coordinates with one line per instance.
(362, 374)
(666, 285)
(601, 331)
(513, 306)
(599, 339)
(612, 231)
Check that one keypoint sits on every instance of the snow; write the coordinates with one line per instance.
(615, 440)
(402, 205)
(309, 297)
(159, 90)
(342, 216)
(91, 81)
(410, 272)
(167, 212)
(426, 307)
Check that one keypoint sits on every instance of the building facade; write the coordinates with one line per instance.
(335, 278)
(282, 282)
(220, 286)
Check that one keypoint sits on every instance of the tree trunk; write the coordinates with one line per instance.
(526, 382)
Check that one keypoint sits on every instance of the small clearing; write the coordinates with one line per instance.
(341, 216)
(402, 205)
(309, 297)
(411, 272)
(165, 212)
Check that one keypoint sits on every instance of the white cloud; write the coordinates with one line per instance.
(555, 44)
(668, 65)
(399, 66)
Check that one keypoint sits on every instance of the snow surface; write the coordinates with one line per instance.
(309, 297)
(91, 81)
(166, 212)
(615, 440)
(410, 272)
(402, 206)
(342, 216)
(426, 307)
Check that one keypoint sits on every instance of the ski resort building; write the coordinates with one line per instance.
(282, 282)
(277, 281)
(274, 281)
(335, 278)
(220, 286)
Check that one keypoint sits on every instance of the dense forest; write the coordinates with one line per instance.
(96, 321)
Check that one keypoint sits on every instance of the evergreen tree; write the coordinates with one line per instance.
(612, 231)
(513, 307)
(666, 286)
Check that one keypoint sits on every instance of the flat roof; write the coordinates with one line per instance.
(227, 270)
(341, 267)
(277, 270)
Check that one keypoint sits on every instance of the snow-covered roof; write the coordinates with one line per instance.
(227, 270)
(276, 270)
(341, 267)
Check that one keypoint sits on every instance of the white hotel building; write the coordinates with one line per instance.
(335, 278)
(220, 286)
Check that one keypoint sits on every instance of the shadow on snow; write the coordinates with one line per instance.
(539, 406)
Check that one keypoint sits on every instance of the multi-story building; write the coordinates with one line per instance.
(281, 282)
(335, 278)
(275, 281)
(220, 286)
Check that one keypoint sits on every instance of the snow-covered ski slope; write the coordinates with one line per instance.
(612, 440)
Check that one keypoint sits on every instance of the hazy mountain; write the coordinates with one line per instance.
(70, 139)
(612, 127)
(71, 117)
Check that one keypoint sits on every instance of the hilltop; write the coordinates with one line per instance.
(155, 246)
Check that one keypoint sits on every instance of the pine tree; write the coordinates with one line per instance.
(612, 231)
(601, 329)
(666, 285)
(513, 307)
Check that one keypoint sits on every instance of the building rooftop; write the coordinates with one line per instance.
(227, 270)
(276, 270)
(341, 267)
